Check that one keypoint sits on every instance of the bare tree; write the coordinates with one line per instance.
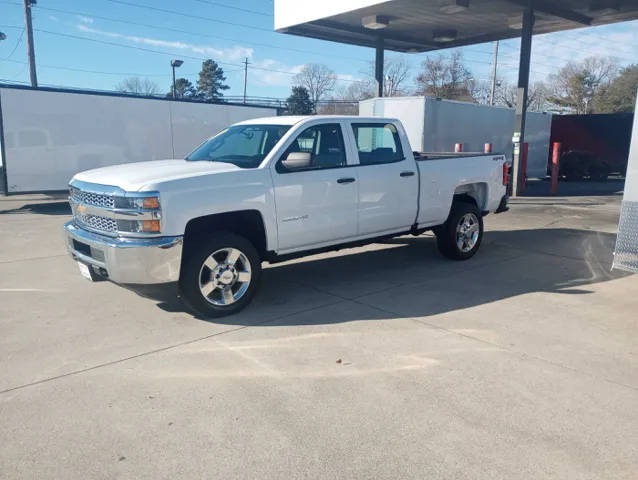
(481, 91)
(360, 90)
(318, 79)
(507, 96)
(396, 72)
(576, 85)
(445, 77)
(138, 86)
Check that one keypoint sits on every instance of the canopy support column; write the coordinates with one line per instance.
(523, 89)
(378, 67)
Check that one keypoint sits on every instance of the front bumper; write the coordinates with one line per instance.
(127, 260)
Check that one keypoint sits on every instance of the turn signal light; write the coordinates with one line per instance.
(151, 202)
(150, 225)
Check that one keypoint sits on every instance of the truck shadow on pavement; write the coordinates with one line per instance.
(51, 208)
(407, 277)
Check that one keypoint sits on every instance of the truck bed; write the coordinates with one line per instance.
(421, 156)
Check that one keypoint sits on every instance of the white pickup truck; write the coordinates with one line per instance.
(269, 189)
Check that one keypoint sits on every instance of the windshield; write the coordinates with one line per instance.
(242, 145)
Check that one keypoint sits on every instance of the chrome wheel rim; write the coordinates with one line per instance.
(225, 276)
(467, 232)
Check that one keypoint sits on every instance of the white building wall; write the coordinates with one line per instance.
(50, 136)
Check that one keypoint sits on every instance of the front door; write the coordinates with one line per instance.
(316, 204)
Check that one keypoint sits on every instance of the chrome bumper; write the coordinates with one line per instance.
(127, 260)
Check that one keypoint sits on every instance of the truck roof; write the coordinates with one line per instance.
(294, 119)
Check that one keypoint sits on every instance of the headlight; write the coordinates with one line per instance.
(148, 220)
(139, 226)
(138, 203)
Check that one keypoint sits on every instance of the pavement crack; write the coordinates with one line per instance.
(34, 258)
(518, 353)
(163, 349)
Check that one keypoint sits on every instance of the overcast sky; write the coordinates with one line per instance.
(98, 43)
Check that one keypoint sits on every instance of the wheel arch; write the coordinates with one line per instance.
(247, 223)
(476, 193)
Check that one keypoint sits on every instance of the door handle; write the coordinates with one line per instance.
(407, 174)
(345, 180)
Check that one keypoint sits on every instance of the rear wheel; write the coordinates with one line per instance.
(460, 237)
(598, 173)
(219, 276)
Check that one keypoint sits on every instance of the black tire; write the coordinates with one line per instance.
(446, 234)
(193, 272)
(599, 173)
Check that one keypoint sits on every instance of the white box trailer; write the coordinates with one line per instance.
(436, 125)
(49, 135)
(626, 252)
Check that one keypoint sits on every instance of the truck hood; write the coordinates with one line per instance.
(133, 176)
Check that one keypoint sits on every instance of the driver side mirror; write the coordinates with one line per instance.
(297, 160)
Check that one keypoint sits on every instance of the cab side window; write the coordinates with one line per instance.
(323, 142)
(377, 143)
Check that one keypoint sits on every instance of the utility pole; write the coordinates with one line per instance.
(246, 63)
(30, 52)
(494, 73)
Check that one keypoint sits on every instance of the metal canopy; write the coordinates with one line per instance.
(427, 25)
(413, 25)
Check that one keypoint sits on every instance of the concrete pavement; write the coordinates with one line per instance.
(386, 361)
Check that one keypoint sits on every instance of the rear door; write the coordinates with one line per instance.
(388, 180)
(318, 204)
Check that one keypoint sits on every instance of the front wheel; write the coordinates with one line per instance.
(459, 238)
(219, 276)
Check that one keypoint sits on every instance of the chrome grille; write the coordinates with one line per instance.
(97, 223)
(90, 198)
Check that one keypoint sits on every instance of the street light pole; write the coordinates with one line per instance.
(175, 64)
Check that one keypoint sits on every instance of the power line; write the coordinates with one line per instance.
(135, 74)
(181, 14)
(7, 80)
(505, 64)
(187, 32)
(172, 54)
(16, 46)
(246, 10)
(105, 42)
(561, 42)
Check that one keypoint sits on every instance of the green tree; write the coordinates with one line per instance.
(299, 102)
(183, 89)
(210, 83)
(576, 85)
(620, 95)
